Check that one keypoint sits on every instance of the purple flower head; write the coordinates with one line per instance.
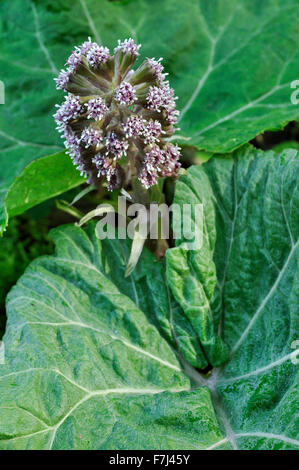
(155, 98)
(160, 97)
(81, 167)
(115, 146)
(125, 94)
(102, 163)
(91, 136)
(172, 151)
(86, 46)
(71, 140)
(97, 56)
(169, 98)
(128, 46)
(154, 158)
(171, 162)
(113, 111)
(63, 79)
(148, 177)
(72, 144)
(171, 115)
(152, 132)
(96, 108)
(152, 161)
(108, 169)
(157, 69)
(112, 176)
(74, 60)
(134, 126)
(70, 109)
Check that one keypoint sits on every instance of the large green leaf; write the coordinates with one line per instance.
(84, 367)
(87, 368)
(40, 181)
(231, 64)
(255, 301)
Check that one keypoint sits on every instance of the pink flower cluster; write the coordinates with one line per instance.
(158, 162)
(128, 46)
(148, 131)
(125, 94)
(96, 108)
(116, 120)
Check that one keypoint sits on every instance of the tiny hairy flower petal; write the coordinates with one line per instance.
(128, 46)
(96, 108)
(97, 55)
(125, 94)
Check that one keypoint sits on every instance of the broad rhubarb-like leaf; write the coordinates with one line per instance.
(254, 300)
(85, 369)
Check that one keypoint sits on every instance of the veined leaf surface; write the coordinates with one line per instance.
(255, 298)
(85, 369)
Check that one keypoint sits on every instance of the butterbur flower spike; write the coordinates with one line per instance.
(116, 120)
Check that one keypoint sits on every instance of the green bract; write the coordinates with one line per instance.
(93, 360)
